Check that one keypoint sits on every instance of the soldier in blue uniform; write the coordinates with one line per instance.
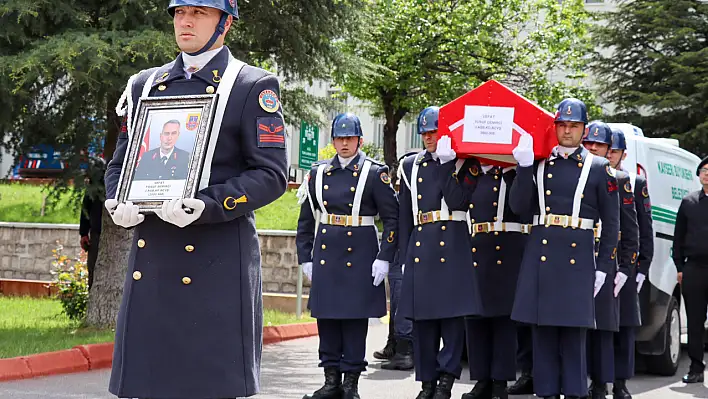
(338, 245)
(560, 273)
(190, 320)
(166, 162)
(498, 239)
(601, 361)
(400, 328)
(630, 316)
(439, 285)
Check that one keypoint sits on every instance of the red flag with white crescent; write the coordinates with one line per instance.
(145, 144)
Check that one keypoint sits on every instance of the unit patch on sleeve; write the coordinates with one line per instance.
(385, 178)
(268, 100)
(271, 132)
(645, 192)
(628, 187)
(611, 186)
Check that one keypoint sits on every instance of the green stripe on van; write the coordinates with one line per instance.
(657, 210)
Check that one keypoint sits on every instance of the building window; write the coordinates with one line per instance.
(414, 139)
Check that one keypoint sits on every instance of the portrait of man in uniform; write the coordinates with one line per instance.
(166, 161)
(167, 150)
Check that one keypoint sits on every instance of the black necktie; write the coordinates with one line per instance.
(164, 160)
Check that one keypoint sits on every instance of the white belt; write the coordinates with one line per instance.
(563, 221)
(345, 220)
(436, 216)
(488, 227)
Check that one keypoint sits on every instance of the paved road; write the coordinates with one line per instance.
(290, 370)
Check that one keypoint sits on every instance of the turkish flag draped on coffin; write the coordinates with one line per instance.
(488, 121)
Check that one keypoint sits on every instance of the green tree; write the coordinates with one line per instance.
(656, 73)
(415, 53)
(64, 65)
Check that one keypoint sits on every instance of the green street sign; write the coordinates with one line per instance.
(309, 140)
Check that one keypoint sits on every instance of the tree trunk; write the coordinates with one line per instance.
(393, 119)
(111, 266)
(113, 249)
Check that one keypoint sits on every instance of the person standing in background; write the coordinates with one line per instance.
(690, 255)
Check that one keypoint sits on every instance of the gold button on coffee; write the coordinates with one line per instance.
(141, 243)
(471, 206)
(498, 248)
(442, 243)
(324, 231)
(324, 202)
(210, 90)
(580, 164)
(573, 245)
(442, 260)
(355, 174)
(417, 243)
(425, 164)
(161, 87)
(494, 204)
(544, 241)
(189, 248)
(548, 192)
(326, 187)
(322, 262)
(324, 246)
(495, 189)
(495, 218)
(352, 189)
(548, 209)
(420, 180)
(499, 262)
(417, 260)
(443, 228)
(420, 196)
(543, 259)
(349, 249)
(349, 264)
(550, 175)
(552, 163)
(420, 228)
(572, 261)
(475, 264)
(349, 233)
(186, 280)
(474, 249)
(137, 275)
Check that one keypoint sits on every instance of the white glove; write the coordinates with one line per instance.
(620, 279)
(307, 270)
(172, 211)
(379, 270)
(125, 215)
(403, 268)
(599, 281)
(523, 153)
(444, 151)
(640, 281)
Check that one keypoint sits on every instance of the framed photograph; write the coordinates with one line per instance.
(167, 149)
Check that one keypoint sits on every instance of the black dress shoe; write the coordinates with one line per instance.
(693, 377)
(522, 386)
(620, 391)
(387, 352)
(481, 390)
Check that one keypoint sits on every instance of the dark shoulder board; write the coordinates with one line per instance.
(374, 161)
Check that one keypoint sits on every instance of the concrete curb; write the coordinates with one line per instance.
(100, 356)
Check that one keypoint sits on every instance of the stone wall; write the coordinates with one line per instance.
(26, 253)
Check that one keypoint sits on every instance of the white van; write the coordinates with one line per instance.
(671, 174)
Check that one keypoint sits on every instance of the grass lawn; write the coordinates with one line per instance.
(37, 325)
(23, 203)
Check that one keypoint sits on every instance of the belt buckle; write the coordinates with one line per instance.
(426, 217)
(481, 228)
(558, 220)
(338, 220)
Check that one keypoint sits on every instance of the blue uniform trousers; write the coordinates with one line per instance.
(491, 348)
(624, 353)
(343, 343)
(430, 360)
(524, 352)
(403, 327)
(559, 361)
(601, 356)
